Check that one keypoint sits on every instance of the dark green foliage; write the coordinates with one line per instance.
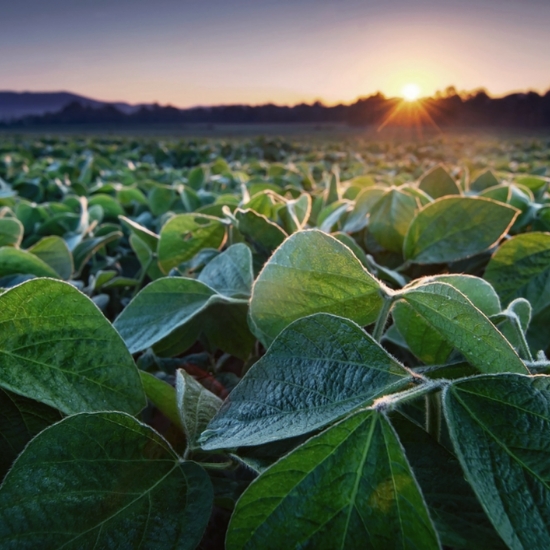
(345, 348)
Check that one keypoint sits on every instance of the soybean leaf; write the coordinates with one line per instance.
(499, 426)
(148, 237)
(438, 183)
(11, 232)
(262, 233)
(295, 213)
(220, 315)
(484, 181)
(161, 199)
(349, 487)
(146, 257)
(162, 307)
(453, 505)
(390, 218)
(20, 262)
(196, 406)
(330, 217)
(264, 203)
(520, 268)
(54, 251)
(162, 395)
(310, 273)
(230, 273)
(20, 420)
(87, 248)
(463, 326)
(499, 193)
(104, 480)
(513, 322)
(184, 235)
(109, 205)
(454, 228)
(317, 370)
(358, 218)
(57, 347)
(426, 342)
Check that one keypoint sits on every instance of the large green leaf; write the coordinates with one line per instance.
(162, 307)
(463, 326)
(185, 235)
(521, 268)
(317, 370)
(57, 347)
(438, 183)
(453, 505)
(310, 273)
(20, 420)
(426, 342)
(390, 218)
(500, 428)
(20, 262)
(54, 251)
(454, 228)
(230, 273)
(347, 488)
(103, 480)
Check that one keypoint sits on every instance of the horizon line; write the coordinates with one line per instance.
(460, 93)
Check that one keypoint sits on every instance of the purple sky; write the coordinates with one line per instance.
(286, 51)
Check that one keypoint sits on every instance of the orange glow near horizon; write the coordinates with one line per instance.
(410, 112)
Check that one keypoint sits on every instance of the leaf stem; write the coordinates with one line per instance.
(524, 350)
(433, 415)
(382, 317)
(425, 387)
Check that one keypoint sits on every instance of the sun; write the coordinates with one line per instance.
(411, 92)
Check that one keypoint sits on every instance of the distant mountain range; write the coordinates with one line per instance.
(15, 105)
(477, 109)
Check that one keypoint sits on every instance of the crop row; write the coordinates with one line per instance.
(283, 345)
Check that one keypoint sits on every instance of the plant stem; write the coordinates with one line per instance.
(524, 350)
(382, 318)
(433, 414)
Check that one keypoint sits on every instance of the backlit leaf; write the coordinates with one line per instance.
(454, 228)
(57, 347)
(185, 235)
(311, 273)
(463, 326)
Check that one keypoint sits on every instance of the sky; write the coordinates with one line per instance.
(210, 52)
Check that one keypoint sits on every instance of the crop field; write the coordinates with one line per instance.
(274, 343)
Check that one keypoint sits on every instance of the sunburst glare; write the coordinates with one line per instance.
(411, 92)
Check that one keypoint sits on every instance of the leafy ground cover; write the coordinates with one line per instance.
(273, 344)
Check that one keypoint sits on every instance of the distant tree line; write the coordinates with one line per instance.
(450, 108)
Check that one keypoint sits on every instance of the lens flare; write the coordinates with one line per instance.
(411, 92)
